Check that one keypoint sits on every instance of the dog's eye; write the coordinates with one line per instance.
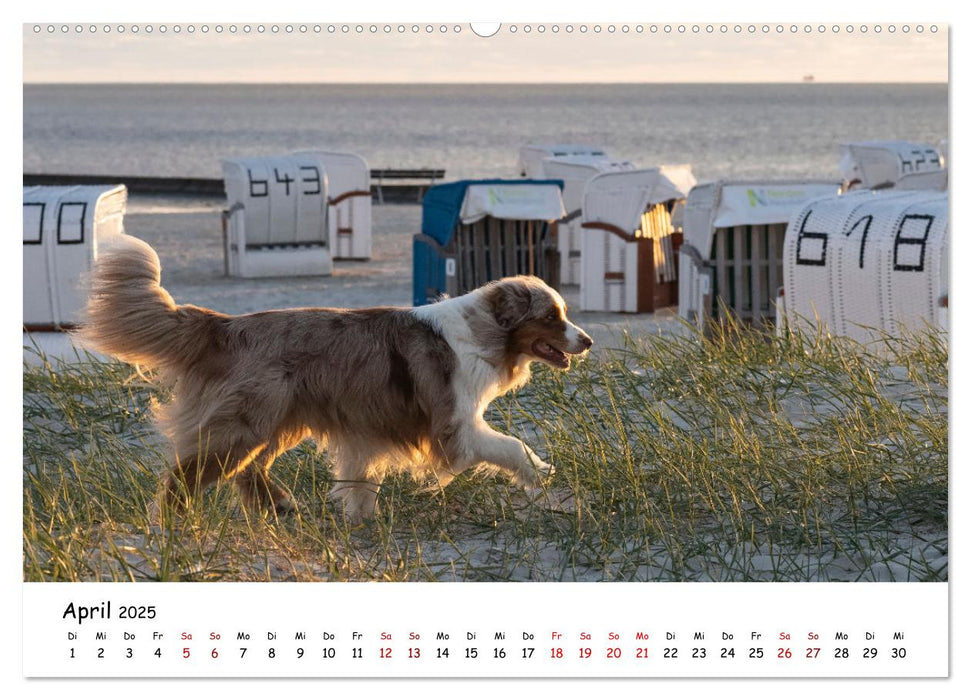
(553, 316)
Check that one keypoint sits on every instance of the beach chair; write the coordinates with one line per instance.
(531, 156)
(629, 243)
(867, 263)
(275, 224)
(575, 171)
(62, 227)
(885, 164)
(476, 231)
(731, 258)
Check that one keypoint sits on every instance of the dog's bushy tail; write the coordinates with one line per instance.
(130, 315)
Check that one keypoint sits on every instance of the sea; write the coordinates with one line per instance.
(472, 131)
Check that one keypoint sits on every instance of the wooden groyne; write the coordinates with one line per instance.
(200, 186)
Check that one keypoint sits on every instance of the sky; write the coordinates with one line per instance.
(326, 53)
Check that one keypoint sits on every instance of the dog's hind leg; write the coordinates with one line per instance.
(258, 491)
(195, 469)
(256, 488)
(185, 481)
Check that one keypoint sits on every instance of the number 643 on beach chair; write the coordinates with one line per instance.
(276, 221)
(294, 215)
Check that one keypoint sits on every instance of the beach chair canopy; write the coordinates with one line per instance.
(531, 156)
(468, 201)
(875, 164)
(726, 203)
(620, 198)
(576, 171)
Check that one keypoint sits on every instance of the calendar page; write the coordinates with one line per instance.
(433, 350)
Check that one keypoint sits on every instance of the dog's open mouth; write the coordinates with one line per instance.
(550, 355)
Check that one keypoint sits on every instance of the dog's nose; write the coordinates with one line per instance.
(586, 340)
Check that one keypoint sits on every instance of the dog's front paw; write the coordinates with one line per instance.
(285, 506)
(535, 472)
(545, 470)
(353, 506)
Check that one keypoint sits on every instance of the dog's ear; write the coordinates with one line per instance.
(511, 301)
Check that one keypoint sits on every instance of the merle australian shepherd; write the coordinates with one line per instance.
(383, 388)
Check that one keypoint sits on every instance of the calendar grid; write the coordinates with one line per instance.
(471, 630)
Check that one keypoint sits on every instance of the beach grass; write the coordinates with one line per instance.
(731, 456)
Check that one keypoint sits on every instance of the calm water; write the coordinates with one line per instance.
(470, 130)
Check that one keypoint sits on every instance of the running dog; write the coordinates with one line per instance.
(382, 388)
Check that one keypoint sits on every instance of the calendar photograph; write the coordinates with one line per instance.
(522, 302)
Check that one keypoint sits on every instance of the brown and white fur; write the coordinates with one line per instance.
(383, 388)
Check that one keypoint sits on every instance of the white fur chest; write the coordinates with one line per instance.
(477, 380)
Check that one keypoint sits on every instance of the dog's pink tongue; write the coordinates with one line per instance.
(547, 352)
